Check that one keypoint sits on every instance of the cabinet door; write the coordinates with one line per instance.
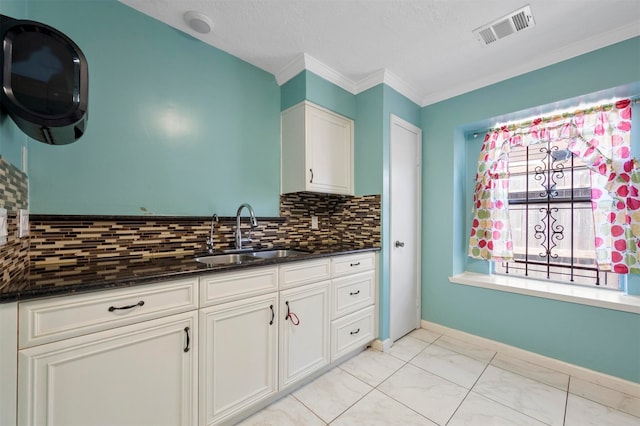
(316, 150)
(329, 152)
(140, 374)
(304, 331)
(238, 356)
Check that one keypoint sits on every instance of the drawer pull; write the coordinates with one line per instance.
(354, 293)
(354, 332)
(355, 264)
(273, 315)
(113, 308)
(186, 331)
(291, 316)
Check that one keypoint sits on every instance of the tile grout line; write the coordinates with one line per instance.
(566, 402)
(389, 396)
(471, 388)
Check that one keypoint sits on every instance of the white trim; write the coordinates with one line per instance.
(391, 80)
(562, 53)
(372, 80)
(611, 382)
(8, 363)
(600, 298)
(305, 61)
(329, 74)
(293, 68)
(382, 345)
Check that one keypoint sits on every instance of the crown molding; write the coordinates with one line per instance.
(307, 62)
(329, 74)
(560, 54)
(293, 68)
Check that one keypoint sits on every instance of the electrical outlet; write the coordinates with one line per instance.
(314, 222)
(3, 226)
(23, 223)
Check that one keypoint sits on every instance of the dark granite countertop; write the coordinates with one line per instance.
(78, 277)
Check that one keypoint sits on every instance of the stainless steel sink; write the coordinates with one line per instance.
(270, 254)
(223, 259)
(246, 256)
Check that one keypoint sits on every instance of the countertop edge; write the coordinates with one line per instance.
(132, 281)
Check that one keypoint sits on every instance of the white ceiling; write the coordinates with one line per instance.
(425, 49)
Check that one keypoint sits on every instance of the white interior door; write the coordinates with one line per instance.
(404, 270)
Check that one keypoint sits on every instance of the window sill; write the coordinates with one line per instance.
(565, 292)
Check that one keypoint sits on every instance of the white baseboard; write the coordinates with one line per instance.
(611, 382)
(381, 345)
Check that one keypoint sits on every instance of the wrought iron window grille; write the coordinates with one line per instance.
(551, 219)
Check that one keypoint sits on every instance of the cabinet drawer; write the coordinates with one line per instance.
(298, 273)
(229, 286)
(48, 320)
(352, 263)
(351, 332)
(351, 293)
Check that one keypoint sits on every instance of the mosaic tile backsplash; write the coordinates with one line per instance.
(76, 239)
(14, 255)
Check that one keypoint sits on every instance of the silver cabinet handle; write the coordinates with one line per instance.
(399, 244)
(311, 180)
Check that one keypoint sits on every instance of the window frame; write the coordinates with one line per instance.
(552, 185)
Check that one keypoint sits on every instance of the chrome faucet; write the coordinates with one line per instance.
(252, 221)
(214, 220)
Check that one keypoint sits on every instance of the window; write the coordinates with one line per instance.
(551, 219)
(559, 197)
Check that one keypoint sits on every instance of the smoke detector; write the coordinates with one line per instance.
(512, 23)
(198, 22)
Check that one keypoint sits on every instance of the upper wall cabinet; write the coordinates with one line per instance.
(317, 150)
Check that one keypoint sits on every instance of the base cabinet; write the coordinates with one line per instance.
(205, 350)
(304, 331)
(140, 374)
(238, 356)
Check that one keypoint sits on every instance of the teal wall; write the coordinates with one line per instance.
(176, 127)
(311, 87)
(371, 111)
(12, 140)
(179, 127)
(599, 339)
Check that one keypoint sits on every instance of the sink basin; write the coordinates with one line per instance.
(223, 259)
(270, 254)
(244, 256)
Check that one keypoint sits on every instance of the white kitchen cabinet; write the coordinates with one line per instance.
(304, 331)
(117, 357)
(238, 356)
(139, 374)
(8, 364)
(47, 320)
(317, 150)
(353, 290)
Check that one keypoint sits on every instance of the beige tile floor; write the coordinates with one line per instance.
(429, 379)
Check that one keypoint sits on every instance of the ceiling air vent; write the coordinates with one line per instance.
(500, 28)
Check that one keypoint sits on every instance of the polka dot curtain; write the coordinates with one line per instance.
(601, 138)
